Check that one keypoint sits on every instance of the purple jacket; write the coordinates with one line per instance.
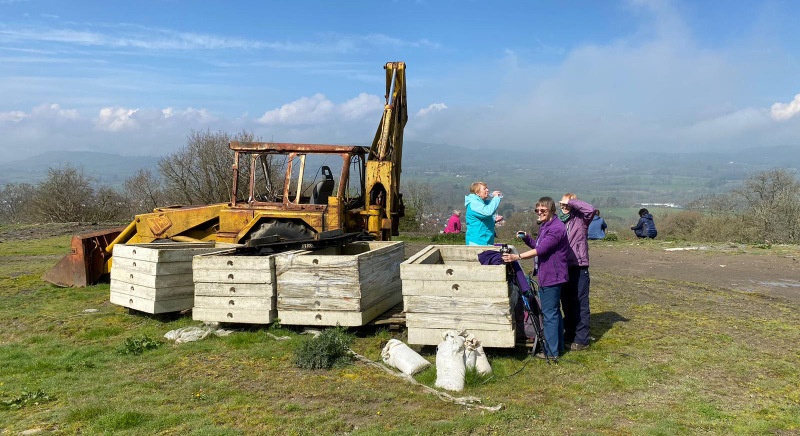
(552, 248)
(577, 226)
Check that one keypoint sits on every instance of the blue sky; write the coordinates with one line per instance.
(134, 77)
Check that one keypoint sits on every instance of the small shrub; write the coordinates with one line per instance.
(26, 399)
(611, 237)
(137, 346)
(330, 348)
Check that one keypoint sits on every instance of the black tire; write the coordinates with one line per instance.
(283, 229)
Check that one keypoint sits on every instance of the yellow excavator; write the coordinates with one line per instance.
(365, 197)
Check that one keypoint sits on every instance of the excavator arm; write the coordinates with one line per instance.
(384, 206)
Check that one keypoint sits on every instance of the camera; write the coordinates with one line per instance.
(520, 234)
(504, 249)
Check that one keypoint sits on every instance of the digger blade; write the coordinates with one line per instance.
(85, 263)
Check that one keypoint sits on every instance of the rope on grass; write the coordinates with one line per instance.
(469, 402)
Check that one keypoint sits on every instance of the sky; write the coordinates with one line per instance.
(134, 78)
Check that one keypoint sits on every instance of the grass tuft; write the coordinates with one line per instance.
(138, 345)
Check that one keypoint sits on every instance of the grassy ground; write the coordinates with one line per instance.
(669, 358)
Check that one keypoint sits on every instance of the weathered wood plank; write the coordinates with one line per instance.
(337, 304)
(154, 281)
(488, 338)
(318, 276)
(234, 289)
(489, 306)
(152, 268)
(450, 288)
(227, 303)
(459, 321)
(236, 315)
(462, 273)
(234, 263)
(149, 305)
(421, 254)
(163, 252)
(331, 318)
(238, 276)
(147, 292)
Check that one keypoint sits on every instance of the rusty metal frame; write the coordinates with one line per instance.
(292, 150)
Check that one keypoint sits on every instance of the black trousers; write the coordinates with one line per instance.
(575, 303)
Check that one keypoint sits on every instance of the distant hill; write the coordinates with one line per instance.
(107, 168)
(523, 175)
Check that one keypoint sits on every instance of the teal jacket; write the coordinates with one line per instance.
(480, 219)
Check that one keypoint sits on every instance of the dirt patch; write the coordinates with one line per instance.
(772, 275)
(23, 232)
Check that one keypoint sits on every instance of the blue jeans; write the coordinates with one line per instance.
(575, 302)
(553, 324)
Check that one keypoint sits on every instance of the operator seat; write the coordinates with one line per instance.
(324, 188)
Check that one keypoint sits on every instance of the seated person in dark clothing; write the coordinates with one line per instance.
(645, 228)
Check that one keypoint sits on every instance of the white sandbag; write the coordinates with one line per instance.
(450, 367)
(482, 362)
(399, 355)
(192, 334)
(470, 351)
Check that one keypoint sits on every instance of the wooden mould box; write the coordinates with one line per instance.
(155, 278)
(231, 288)
(446, 288)
(348, 285)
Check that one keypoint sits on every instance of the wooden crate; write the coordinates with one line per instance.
(235, 288)
(155, 278)
(348, 285)
(446, 288)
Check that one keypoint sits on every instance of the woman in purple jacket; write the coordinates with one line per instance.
(550, 249)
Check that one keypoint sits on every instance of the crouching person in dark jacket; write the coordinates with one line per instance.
(645, 228)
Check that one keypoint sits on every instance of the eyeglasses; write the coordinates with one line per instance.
(541, 210)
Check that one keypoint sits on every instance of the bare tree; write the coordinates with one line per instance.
(15, 203)
(200, 172)
(418, 197)
(65, 195)
(773, 205)
(144, 192)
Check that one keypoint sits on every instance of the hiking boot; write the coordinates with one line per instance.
(578, 347)
(542, 356)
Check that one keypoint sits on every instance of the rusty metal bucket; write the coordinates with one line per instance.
(85, 263)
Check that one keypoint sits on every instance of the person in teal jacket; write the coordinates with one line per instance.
(481, 214)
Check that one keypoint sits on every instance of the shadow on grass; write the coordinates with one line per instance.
(603, 322)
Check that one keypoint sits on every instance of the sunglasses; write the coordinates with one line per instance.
(541, 210)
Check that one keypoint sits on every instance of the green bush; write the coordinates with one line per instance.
(611, 237)
(330, 348)
(137, 346)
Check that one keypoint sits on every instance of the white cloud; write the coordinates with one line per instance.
(306, 110)
(114, 119)
(362, 105)
(784, 111)
(12, 116)
(317, 109)
(432, 108)
(148, 38)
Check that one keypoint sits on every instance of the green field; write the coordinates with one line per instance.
(669, 358)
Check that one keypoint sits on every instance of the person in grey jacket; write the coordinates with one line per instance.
(575, 298)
